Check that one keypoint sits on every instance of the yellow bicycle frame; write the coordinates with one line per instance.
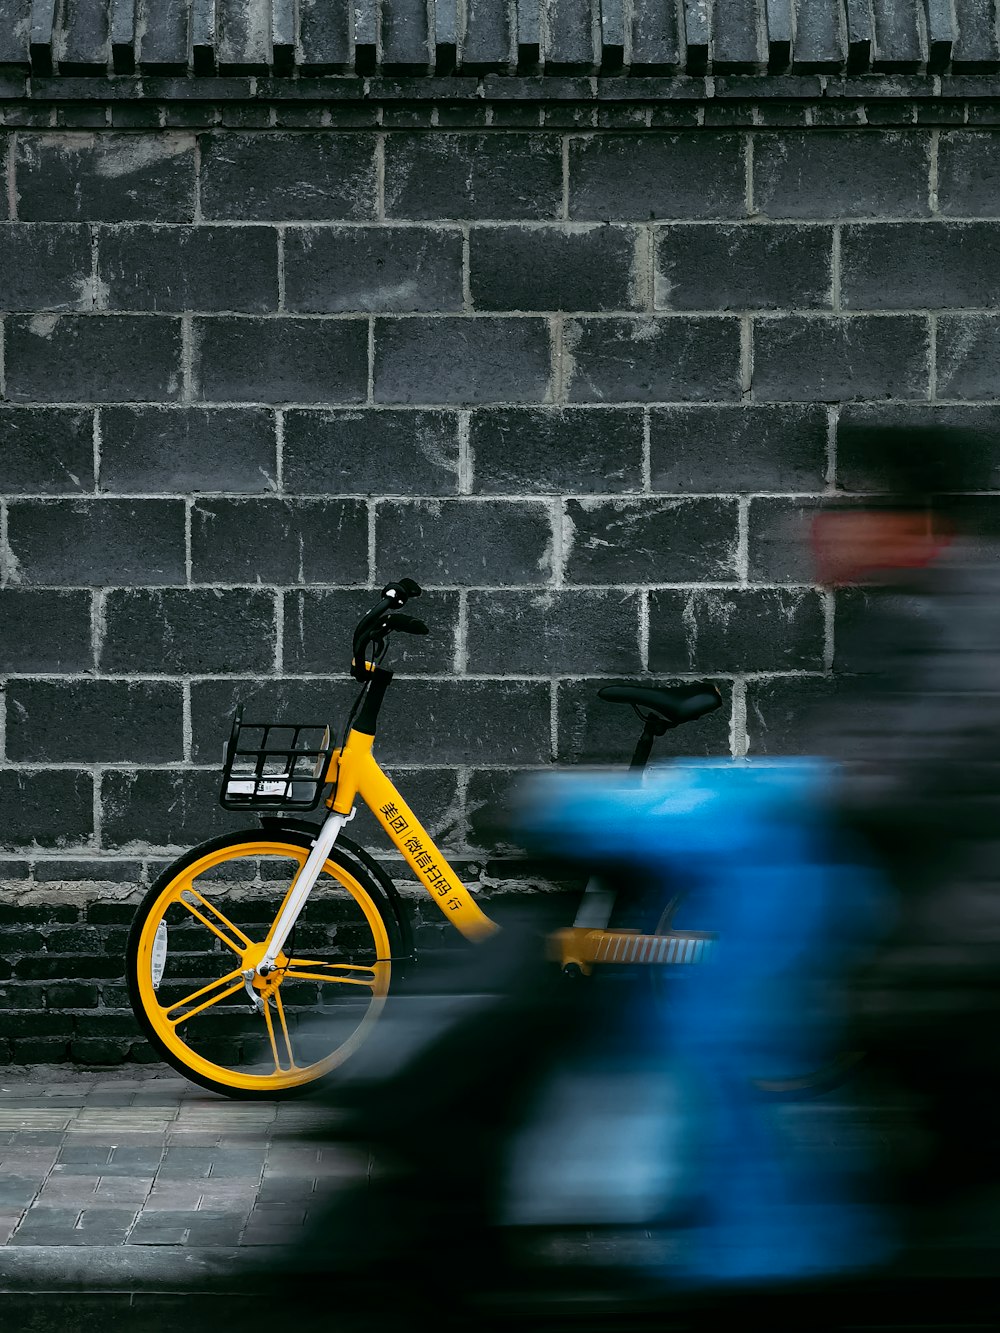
(356, 772)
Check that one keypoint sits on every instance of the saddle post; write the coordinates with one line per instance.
(654, 726)
(598, 900)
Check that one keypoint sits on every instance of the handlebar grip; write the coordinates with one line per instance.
(393, 595)
(406, 624)
(400, 592)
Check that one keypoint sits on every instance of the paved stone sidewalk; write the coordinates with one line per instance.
(141, 1201)
(94, 1160)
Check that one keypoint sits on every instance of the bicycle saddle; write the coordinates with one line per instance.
(680, 703)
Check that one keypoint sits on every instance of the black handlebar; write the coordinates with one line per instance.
(405, 624)
(385, 617)
(401, 591)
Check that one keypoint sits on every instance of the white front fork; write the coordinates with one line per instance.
(302, 887)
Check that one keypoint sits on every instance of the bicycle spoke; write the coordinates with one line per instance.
(237, 948)
(206, 1004)
(271, 1038)
(284, 1029)
(308, 969)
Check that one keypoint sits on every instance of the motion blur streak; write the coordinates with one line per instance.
(517, 1117)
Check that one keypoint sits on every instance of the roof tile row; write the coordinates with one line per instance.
(643, 37)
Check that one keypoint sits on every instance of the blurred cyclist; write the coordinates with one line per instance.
(916, 726)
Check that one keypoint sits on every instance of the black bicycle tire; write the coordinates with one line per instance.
(293, 837)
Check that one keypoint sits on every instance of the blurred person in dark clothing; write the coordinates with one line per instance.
(915, 725)
(434, 1098)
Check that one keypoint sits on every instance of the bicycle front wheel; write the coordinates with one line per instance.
(200, 929)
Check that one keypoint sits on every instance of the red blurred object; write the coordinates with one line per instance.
(850, 545)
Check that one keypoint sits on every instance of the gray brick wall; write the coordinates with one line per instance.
(580, 384)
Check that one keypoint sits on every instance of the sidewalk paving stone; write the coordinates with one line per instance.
(189, 1228)
(75, 1226)
(122, 1189)
(155, 1163)
(85, 1154)
(62, 1191)
(18, 1189)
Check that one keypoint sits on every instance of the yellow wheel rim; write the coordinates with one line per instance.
(169, 1020)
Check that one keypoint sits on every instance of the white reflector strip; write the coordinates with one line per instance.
(159, 958)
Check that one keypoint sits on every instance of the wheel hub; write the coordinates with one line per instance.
(261, 986)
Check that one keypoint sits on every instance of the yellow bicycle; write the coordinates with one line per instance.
(259, 961)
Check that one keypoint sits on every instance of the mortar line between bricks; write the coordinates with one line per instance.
(466, 461)
(592, 499)
(279, 631)
(467, 269)
(380, 177)
(371, 92)
(6, 555)
(557, 357)
(187, 359)
(564, 202)
(98, 627)
(644, 599)
(3, 704)
(738, 745)
(3, 358)
(742, 560)
(463, 778)
(832, 421)
(187, 726)
(10, 171)
(97, 297)
(281, 266)
(497, 315)
(647, 453)
(372, 550)
(647, 247)
(189, 329)
(835, 283)
(748, 162)
(196, 192)
(96, 441)
(674, 404)
(98, 811)
(570, 226)
(829, 615)
(559, 519)
(932, 360)
(932, 173)
(370, 351)
(279, 450)
(461, 658)
(188, 554)
(553, 720)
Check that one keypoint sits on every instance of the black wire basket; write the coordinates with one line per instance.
(274, 765)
